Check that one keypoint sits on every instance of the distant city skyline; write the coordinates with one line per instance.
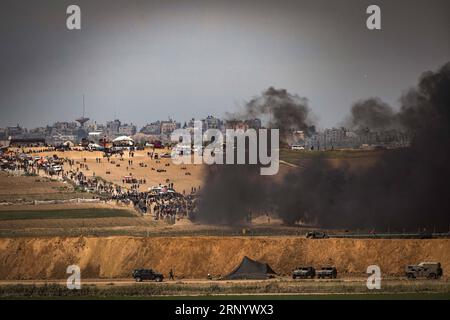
(91, 122)
(150, 60)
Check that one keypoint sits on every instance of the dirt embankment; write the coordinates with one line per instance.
(195, 257)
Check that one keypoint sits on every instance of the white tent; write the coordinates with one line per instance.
(123, 140)
(69, 144)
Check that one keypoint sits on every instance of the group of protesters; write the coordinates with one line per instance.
(164, 203)
(169, 206)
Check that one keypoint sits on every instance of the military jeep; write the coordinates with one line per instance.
(146, 274)
(304, 273)
(327, 272)
(429, 270)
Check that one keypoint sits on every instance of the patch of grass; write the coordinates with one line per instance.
(63, 214)
(60, 195)
(281, 290)
(150, 232)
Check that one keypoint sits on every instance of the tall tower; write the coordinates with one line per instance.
(82, 120)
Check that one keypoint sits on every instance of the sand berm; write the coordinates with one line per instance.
(195, 257)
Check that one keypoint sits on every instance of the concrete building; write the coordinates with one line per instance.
(167, 127)
(153, 128)
(3, 135)
(112, 128)
(211, 122)
(127, 129)
(14, 131)
(243, 125)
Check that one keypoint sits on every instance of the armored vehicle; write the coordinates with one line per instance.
(430, 270)
(304, 273)
(327, 272)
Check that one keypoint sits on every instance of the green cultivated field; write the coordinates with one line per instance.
(63, 214)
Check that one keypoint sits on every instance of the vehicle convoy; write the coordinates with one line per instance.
(327, 272)
(316, 235)
(147, 274)
(430, 270)
(304, 273)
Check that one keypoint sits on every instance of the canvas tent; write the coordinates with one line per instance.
(250, 269)
(68, 144)
(123, 141)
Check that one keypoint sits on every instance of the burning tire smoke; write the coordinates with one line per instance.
(374, 114)
(282, 110)
(406, 189)
(233, 192)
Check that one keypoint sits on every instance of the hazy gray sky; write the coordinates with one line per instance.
(147, 60)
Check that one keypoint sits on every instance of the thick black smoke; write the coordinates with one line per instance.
(232, 193)
(405, 189)
(373, 114)
(282, 110)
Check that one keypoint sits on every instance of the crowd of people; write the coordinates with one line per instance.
(169, 206)
(163, 202)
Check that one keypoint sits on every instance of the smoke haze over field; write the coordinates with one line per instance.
(405, 189)
(147, 60)
(281, 110)
(232, 193)
(373, 114)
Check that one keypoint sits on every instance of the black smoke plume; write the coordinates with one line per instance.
(232, 193)
(282, 110)
(406, 189)
(373, 114)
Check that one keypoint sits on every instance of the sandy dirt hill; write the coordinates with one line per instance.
(195, 257)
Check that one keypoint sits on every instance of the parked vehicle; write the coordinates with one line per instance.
(147, 274)
(429, 270)
(157, 144)
(304, 273)
(327, 272)
(165, 155)
(316, 235)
